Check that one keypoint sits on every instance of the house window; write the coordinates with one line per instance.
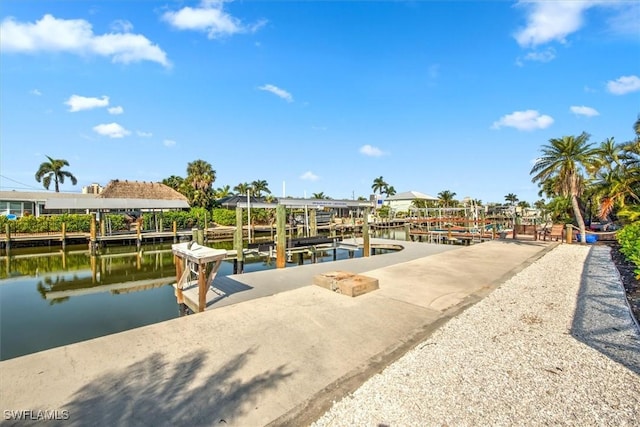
(15, 208)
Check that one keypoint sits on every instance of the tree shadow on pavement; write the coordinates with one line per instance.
(602, 319)
(156, 391)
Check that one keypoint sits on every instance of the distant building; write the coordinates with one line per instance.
(402, 202)
(92, 189)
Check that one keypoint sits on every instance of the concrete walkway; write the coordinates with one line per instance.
(277, 359)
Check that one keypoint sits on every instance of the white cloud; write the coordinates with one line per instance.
(169, 142)
(624, 85)
(76, 36)
(551, 20)
(584, 111)
(112, 130)
(142, 134)
(79, 103)
(524, 120)
(278, 92)
(35, 92)
(210, 18)
(369, 150)
(115, 110)
(546, 55)
(309, 176)
(121, 26)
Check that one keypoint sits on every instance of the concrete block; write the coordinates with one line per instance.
(346, 283)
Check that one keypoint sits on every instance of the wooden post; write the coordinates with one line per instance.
(7, 230)
(206, 225)
(281, 236)
(238, 242)
(365, 234)
(175, 232)
(202, 287)
(568, 233)
(94, 269)
(313, 223)
(139, 235)
(103, 226)
(63, 235)
(407, 231)
(178, 262)
(449, 233)
(92, 234)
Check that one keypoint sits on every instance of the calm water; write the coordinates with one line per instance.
(50, 297)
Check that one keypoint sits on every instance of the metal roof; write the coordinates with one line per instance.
(411, 195)
(41, 196)
(126, 204)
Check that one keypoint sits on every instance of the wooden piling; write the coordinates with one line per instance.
(281, 237)
(202, 287)
(175, 232)
(568, 233)
(7, 230)
(366, 251)
(92, 235)
(407, 232)
(63, 235)
(313, 223)
(237, 242)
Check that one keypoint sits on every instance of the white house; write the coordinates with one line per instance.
(401, 202)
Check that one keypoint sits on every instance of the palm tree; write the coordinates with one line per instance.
(200, 177)
(389, 190)
(174, 182)
(320, 195)
(511, 198)
(567, 159)
(242, 188)
(223, 191)
(379, 185)
(260, 186)
(446, 197)
(52, 170)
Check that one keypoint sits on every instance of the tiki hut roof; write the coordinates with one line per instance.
(117, 189)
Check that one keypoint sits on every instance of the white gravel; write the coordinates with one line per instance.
(554, 345)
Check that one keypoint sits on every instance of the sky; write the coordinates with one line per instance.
(312, 96)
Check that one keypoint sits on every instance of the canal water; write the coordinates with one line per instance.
(50, 297)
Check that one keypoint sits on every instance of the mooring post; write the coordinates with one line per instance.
(103, 227)
(63, 235)
(139, 235)
(206, 225)
(313, 223)
(281, 236)
(568, 234)
(202, 287)
(7, 229)
(92, 235)
(237, 243)
(175, 232)
(365, 234)
(407, 231)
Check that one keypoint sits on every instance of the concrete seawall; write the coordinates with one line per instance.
(281, 355)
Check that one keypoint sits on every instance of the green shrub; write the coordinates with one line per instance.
(629, 239)
(224, 216)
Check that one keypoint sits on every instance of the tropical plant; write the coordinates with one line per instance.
(52, 171)
(389, 190)
(379, 185)
(446, 198)
(175, 182)
(511, 198)
(567, 159)
(319, 195)
(524, 204)
(242, 188)
(199, 180)
(259, 187)
(223, 191)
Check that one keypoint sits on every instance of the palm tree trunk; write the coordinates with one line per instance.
(579, 219)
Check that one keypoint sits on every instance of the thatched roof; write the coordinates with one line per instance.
(117, 189)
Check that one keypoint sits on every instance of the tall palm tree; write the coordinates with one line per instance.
(319, 195)
(260, 186)
(511, 198)
(200, 177)
(242, 188)
(390, 190)
(567, 159)
(446, 198)
(52, 170)
(379, 185)
(223, 191)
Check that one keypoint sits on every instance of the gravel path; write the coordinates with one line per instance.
(554, 345)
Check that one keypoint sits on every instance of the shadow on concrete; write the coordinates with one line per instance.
(602, 319)
(230, 286)
(158, 392)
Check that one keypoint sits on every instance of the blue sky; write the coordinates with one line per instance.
(323, 96)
